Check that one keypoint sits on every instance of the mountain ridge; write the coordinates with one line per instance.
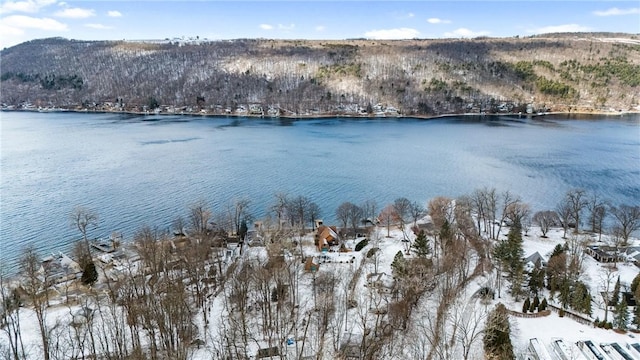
(421, 77)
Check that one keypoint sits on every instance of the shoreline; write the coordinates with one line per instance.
(328, 116)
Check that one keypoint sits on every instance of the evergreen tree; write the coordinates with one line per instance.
(581, 298)
(565, 293)
(621, 315)
(536, 278)
(510, 255)
(497, 342)
(89, 274)
(398, 265)
(557, 250)
(634, 283)
(420, 246)
(543, 305)
(526, 305)
(446, 234)
(615, 297)
(535, 304)
(636, 316)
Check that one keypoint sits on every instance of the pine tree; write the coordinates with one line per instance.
(634, 283)
(543, 305)
(512, 257)
(526, 305)
(497, 342)
(536, 278)
(535, 304)
(89, 274)
(420, 246)
(636, 316)
(565, 293)
(557, 250)
(615, 297)
(581, 298)
(621, 315)
(398, 266)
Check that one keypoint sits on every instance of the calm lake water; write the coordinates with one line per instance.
(135, 170)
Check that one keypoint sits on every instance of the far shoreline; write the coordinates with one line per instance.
(333, 116)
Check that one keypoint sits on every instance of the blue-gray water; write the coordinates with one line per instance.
(136, 171)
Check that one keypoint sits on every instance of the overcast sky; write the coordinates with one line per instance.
(22, 20)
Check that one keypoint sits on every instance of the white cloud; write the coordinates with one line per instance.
(615, 11)
(438, 21)
(286, 27)
(114, 13)
(266, 27)
(98, 26)
(9, 31)
(75, 13)
(392, 34)
(403, 15)
(466, 33)
(28, 22)
(28, 6)
(320, 28)
(560, 29)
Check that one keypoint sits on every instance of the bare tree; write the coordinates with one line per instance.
(467, 321)
(199, 217)
(402, 207)
(545, 220)
(516, 212)
(297, 209)
(83, 219)
(369, 210)
(349, 214)
(416, 211)
(478, 201)
(313, 213)
(36, 291)
(597, 211)
(627, 221)
(576, 201)
(509, 201)
(10, 318)
(280, 207)
(607, 276)
(565, 214)
(388, 216)
(240, 214)
(178, 225)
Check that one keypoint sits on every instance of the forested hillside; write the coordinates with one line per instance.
(577, 72)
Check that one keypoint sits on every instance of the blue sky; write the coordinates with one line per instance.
(22, 20)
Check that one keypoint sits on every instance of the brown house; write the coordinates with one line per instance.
(326, 236)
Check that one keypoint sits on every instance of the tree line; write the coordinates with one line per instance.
(177, 299)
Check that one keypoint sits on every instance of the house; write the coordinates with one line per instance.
(531, 261)
(326, 236)
(603, 254)
(59, 268)
(632, 254)
(310, 265)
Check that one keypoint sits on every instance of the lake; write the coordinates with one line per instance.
(146, 170)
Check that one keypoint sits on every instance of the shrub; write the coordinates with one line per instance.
(361, 244)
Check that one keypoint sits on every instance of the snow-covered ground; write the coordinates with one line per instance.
(546, 329)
